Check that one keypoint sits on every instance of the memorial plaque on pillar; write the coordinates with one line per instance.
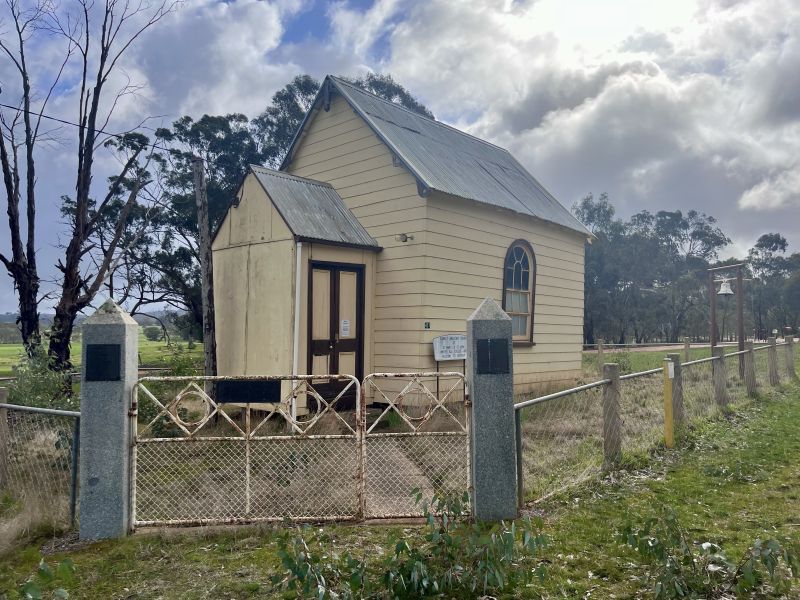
(103, 362)
(492, 356)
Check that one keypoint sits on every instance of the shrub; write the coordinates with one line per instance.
(153, 333)
(685, 569)
(38, 385)
(454, 557)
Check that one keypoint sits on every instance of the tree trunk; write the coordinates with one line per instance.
(206, 270)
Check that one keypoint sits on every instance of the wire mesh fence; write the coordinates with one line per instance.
(562, 441)
(417, 440)
(697, 382)
(38, 464)
(761, 366)
(569, 436)
(198, 460)
(641, 411)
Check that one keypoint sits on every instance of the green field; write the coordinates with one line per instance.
(730, 482)
(151, 354)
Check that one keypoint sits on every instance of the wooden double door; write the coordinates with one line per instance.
(336, 325)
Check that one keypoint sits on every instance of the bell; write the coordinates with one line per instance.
(725, 289)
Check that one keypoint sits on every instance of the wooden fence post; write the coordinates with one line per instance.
(720, 380)
(750, 369)
(5, 440)
(687, 350)
(772, 360)
(677, 389)
(612, 424)
(789, 348)
(600, 360)
(669, 423)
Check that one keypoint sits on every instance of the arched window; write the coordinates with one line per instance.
(519, 289)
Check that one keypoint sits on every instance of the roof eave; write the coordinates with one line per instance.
(311, 240)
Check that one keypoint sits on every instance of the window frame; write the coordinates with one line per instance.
(528, 249)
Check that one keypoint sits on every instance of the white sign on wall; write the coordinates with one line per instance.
(344, 330)
(450, 347)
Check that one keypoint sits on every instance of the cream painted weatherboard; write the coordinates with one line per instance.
(453, 258)
(340, 149)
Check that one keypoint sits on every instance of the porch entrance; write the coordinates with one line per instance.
(336, 325)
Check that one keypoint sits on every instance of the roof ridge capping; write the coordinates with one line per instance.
(416, 114)
(289, 176)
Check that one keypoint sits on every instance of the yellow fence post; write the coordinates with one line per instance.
(669, 425)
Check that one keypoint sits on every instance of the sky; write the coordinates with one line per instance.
(686, 104)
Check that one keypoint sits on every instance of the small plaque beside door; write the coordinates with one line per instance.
(344, 328)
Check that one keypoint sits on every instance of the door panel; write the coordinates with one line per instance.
(336, 305)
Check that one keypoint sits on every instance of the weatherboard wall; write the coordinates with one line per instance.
(465, 251)
(340, 149)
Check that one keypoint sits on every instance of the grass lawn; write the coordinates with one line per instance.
(151, 354)
(731, 481)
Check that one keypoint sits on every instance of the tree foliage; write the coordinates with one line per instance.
(646, 277)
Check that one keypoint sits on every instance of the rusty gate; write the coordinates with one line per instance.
(311, 455)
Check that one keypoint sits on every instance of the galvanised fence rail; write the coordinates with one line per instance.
(39, 450)
(573, 435)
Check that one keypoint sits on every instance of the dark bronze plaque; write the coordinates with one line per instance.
(244, 391)
(493, 356)
(103, 362)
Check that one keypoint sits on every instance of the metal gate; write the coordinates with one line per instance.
(195, 462)
(198, 461)
(418, 441)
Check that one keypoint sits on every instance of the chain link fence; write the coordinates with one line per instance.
(570, 436)
(563, 440)
(416, 439)
(38, 467)
(641, 409)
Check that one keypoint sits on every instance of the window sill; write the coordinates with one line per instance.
(522, 343)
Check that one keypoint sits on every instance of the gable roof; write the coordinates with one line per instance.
(313, 210)
(448, 160)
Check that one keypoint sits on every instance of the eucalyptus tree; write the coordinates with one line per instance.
(93, 38)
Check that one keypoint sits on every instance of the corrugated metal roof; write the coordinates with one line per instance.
(313, 210)
(451, 161)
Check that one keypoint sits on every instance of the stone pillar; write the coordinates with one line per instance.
(772, 362)
(720, 380)
(789, 348)
(612, 423)
(491, 389)
(677, 389)
(750, 369)
(108, 373)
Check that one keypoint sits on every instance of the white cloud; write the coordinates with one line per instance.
(779, 190)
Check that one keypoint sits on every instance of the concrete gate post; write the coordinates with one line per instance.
(108, 373)
(491, 388)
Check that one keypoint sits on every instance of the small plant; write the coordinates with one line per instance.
(685, 569)
(454, 556)
(45, 575)
(39, 385)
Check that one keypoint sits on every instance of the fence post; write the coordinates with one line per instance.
(491, 387)
(109, 372)
(720, 379)
(790, 356)
(669, 424)
(750, 369)
(600, 360)
(612, 424)
(520, 474)
(677, 389)
(772, 361)
(687, 350)
(5, 440)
